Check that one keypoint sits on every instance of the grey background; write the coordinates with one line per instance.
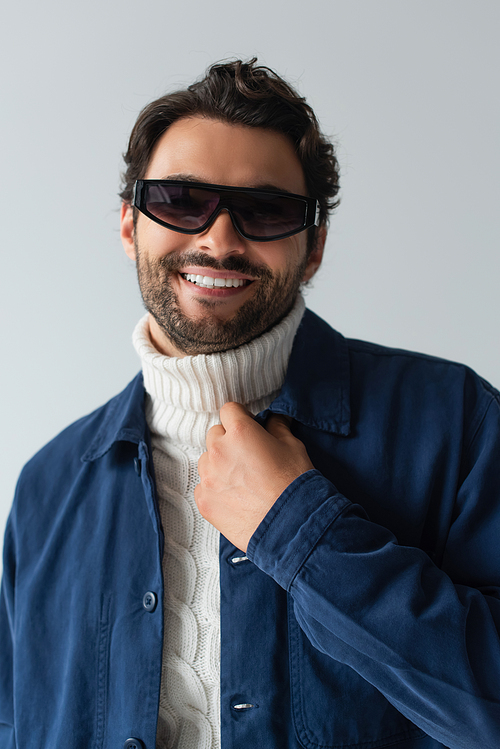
(408, 89)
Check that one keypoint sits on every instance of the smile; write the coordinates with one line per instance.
(208, 282)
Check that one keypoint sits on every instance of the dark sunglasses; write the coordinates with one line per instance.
(258, 215)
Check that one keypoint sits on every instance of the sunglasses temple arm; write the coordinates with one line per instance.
(135, 193)
(316, 218)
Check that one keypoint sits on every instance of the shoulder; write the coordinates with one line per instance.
(64, 454)
(372, 357)
(418, 369)
(382, 378)
(65, 474)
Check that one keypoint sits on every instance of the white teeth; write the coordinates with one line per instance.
(209, 282)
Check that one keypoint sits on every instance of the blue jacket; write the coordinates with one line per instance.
(367, 612)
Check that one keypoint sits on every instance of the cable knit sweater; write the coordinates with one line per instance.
(184, 396)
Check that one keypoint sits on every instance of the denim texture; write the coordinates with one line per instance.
(367, 612)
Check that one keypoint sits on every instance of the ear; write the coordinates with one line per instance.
(316, 255)
(127, 230)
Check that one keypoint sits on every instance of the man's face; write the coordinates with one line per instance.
(189, 319)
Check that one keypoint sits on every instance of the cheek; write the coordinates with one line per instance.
(158, 240)
(285, 255)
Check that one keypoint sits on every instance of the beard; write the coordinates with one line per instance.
(274, 296)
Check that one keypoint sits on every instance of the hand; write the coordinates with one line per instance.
(245, 469)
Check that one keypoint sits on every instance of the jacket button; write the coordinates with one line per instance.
(149, 602)
(239, 560)
(244, 706)
(137, 466)
(133, 744)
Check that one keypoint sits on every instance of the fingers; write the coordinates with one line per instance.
(232, 412)
(279, 425)
(203, 463)
(235, 418)
(239, 422)
(214, 433)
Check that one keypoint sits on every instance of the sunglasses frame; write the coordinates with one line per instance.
(311, 212)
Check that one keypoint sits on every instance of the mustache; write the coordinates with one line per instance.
(235, 263)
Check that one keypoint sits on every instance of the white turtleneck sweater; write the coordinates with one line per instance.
(184, 396)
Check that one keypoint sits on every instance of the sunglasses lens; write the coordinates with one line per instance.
(266, 216)
(258, 216)
(181, 206)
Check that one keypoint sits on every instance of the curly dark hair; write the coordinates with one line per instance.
(241, 93)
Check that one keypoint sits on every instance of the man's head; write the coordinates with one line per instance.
(240, 126)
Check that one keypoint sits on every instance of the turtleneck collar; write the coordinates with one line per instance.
(185, 394)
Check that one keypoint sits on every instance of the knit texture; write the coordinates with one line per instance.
(184, 396)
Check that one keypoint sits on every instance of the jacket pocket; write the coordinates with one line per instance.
(335, 708)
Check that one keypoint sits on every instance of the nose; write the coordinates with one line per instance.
(221, 238)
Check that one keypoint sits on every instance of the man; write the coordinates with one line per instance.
(351, 596)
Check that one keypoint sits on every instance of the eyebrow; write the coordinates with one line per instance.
(264, 186)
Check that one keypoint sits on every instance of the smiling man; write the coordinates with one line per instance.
(274, 537)
(218, 288)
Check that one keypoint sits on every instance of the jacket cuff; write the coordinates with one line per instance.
(293, 526)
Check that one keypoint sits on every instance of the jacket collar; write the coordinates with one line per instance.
(122, 419)
(315, 391)
(316, 387)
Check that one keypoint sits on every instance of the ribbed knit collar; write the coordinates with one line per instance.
(185, 394)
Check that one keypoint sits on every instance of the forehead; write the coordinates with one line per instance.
(221, 153)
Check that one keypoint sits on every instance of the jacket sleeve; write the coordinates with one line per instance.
(7, 738)
(426, 637)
